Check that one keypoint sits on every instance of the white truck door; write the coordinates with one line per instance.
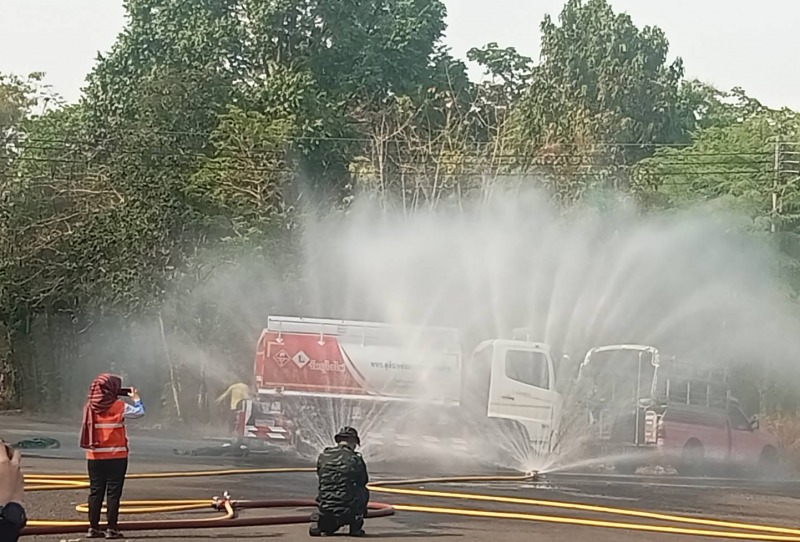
(523, 388)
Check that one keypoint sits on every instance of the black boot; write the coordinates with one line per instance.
(313, 529)
(322, 525)
(357, 527)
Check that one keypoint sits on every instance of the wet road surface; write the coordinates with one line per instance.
(740, 501)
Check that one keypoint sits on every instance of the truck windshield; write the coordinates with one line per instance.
(738, 420)
(529, 368)
(622, 374)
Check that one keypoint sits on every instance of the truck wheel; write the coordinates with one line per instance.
(693, 459)
(769, 463)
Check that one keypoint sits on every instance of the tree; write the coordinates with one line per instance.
(743, 161)
(727, 159)
(601, 81)
(509, 72)
(180, 64)
(244, 186)
(197, 135)
(711, 107)
(17, 97)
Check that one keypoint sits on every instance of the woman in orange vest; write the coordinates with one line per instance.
(105, 440)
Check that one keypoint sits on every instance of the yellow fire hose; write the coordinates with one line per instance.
(37, 482)
(720, 528)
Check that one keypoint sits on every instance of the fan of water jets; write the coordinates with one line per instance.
(683, 282)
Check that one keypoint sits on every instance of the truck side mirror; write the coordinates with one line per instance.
(754, 423)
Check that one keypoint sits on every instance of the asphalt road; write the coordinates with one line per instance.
(773, 504)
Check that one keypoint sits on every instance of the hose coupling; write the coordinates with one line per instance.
(218, 503)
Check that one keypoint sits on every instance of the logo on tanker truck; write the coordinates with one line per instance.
(281, 358)
(302, 360)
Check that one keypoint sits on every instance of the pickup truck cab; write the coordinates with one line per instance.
(644, 411)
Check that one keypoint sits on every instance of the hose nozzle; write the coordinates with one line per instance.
(532, 475)
(218, 503)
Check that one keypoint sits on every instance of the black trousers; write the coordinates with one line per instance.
(326, 522)
(106, 478)
(8, 532)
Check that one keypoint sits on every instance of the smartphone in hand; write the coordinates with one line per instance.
(125, 392)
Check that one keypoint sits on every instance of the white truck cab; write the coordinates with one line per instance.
(522, 387)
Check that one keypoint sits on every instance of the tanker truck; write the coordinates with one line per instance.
(403, 387)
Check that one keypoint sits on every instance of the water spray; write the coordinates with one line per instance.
(596, 277)
(532, 475)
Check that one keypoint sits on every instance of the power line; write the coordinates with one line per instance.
(689, 167)
(693, 177)
(362, 139)
(390, 142)
(694, 166)
(409, 153)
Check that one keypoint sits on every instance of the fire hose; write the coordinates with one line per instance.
(719, 528)
(37, 482)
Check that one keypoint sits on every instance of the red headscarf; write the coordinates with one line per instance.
(103, 393)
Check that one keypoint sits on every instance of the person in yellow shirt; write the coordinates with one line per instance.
(238, 393)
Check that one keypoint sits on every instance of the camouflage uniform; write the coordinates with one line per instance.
(343, 495)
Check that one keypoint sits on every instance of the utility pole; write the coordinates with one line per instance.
(776, 178)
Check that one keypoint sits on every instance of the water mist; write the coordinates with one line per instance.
(688, 283)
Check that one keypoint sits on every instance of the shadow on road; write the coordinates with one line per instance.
(413, 534)
(206, 536)
(400, 534)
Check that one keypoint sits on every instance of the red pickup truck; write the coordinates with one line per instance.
(641, 412)
(693, 438)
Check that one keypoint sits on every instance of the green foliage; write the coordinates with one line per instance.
(714, 108)
(602, 81)
(742, 161)
(17, 97)
(509, 71)
(198, 134)
(734, 156)
(242, 188)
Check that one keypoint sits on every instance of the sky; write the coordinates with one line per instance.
(728, 43)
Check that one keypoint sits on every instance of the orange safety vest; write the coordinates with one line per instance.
(112, 438)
